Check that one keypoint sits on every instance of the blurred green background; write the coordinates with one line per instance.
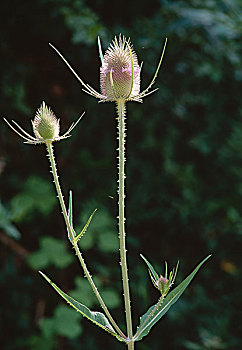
(184, 171)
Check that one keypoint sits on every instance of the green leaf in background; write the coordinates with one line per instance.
(52, 251)
(65, 322)
(6, 225)
(82, 288)
(84, 24)
(208, 339)
(155, 312)
(97, 318)
(111, 298)
(38, 342)
(104, 223)
(37, 195)
(108, 242)
(88, 241)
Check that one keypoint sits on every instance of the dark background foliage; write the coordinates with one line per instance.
(184, 171)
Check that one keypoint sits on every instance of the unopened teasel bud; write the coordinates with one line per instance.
(162, 283)
(45, 124)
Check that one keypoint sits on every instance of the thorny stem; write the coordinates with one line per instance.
(121, 217)
(71, 234)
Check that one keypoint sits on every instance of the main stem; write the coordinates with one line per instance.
(71, 234)
(121, 217)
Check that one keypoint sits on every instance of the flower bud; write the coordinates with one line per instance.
(163, 285)
(116, 76)
(45, 125)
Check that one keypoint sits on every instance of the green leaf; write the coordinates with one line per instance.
(97, 318)
(70, 215)
(155, 312)
(151, 268)
(85, 227)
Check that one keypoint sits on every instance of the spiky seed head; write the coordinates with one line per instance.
(45, 124)
(116, 78)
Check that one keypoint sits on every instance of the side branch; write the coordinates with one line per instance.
(72, 238)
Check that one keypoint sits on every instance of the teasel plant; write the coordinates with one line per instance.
(120, 83)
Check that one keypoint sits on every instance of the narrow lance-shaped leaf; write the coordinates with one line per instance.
(97, 318)
(155, 312)
(85, 227)
(70, 217)
(151, 268)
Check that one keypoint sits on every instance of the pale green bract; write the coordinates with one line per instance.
(97, 318)
(151, 317)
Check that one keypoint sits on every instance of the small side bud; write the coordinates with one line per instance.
(45, 124)
(163, 285)
(46, 127)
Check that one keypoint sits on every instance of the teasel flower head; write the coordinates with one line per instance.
(46, 127)
(119, 73)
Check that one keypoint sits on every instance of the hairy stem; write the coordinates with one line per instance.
(121, 217)
(71, 235)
